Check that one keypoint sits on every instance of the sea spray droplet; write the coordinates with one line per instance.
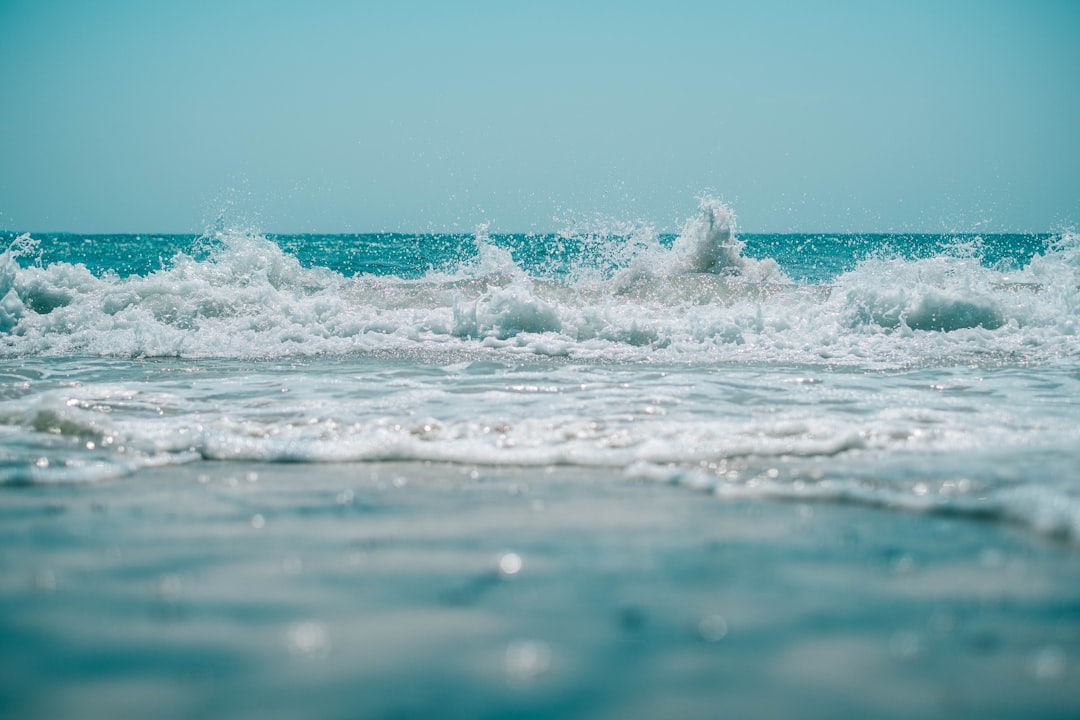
(309, 640)
(905, 645)
(712, 628)
(1049, 663)
(169, 587)
(525, 660)
(510, 564)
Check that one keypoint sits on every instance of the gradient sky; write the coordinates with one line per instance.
(322, 116)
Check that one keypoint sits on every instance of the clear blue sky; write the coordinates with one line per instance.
(146, 116)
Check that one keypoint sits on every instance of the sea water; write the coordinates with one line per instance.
(605, 472)
(935, 373)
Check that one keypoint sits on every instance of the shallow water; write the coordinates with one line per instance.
(993, 442)
(922, 372)
(418, 590)
(913, 394)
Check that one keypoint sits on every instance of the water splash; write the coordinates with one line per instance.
(698, 297)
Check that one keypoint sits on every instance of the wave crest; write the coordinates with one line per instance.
(699, 298)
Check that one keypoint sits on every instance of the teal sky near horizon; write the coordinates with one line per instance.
(323, 116)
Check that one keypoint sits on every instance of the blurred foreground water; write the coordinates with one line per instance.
(416, 590)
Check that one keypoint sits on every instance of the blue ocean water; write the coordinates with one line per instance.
(930, 373)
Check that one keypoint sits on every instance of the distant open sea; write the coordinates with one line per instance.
(935, 373)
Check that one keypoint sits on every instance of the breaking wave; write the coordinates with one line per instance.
(699, 298)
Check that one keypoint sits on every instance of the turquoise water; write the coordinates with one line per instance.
(803, 257)
(927, 372)
(916, 377)
(404, 590)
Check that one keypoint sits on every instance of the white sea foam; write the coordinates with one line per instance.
(707, 244)
(992, 444)
(902, 382)
(700, 299)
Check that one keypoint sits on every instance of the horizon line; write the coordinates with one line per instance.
(419, 233)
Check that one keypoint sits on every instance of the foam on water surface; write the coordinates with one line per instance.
(701, 299)
(930, 380)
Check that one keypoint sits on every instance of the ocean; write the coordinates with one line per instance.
(166, 401)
